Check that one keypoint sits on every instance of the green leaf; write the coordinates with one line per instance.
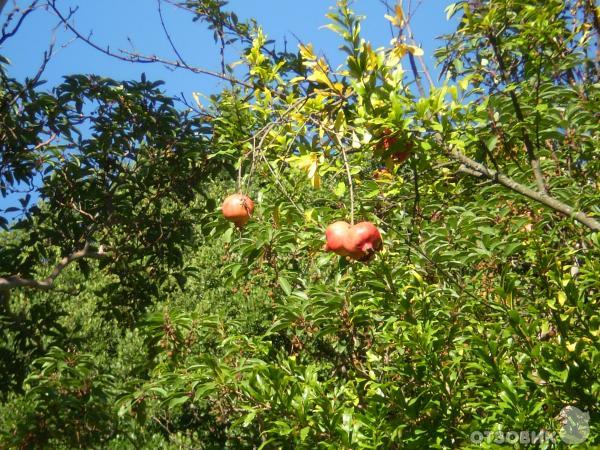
(285, 285)
(340, 189)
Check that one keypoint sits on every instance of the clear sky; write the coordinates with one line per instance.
(114, 22)
(135, 25)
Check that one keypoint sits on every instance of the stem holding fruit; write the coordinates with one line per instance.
(339, 143)
(350, 184)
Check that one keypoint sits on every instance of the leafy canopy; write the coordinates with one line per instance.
(480, 313)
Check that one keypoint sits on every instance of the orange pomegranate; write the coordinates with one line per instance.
(362, 241)
(238, 208)
(336, 234)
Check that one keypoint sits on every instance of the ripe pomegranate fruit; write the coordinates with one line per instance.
(399, 157)
(238, 208)
(362, 241)
(388, 141)
(336, 234)
(392, 149)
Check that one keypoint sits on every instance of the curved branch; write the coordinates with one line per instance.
(14, 281)
(474, 168)
(168, 35)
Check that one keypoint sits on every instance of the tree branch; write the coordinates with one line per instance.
(132, 57)
(420, 58)
(29, 83)
(6, 34)
(474, 168)
(14, 281)
(533, 160)
(415, 72)
(168, 35)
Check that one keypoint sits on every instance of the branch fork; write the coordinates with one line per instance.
(13, 281)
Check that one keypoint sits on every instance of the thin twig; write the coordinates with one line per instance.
(43, 144)
(31, 83)
(24, 14)
(239, 175)
(278, 182)
(133, 57)
(339, 143)
(424, 67)
(350, 184)
(168, 35)
(531, 156)
(257, 150)
(416, 75)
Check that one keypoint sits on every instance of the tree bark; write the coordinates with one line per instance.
(477, 169)
(14, 281)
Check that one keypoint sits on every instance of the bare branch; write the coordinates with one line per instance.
(30, 83)
(168, 35)
(473, 173)
(46, 142)
(6, 34)
(133, 57)
(531, 156)
(335, 138)
(419, 57)
(477, 169)
(416, 75)
(14, 281)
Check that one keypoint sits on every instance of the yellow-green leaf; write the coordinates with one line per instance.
(398, 19)
(340, 121)
(313, 175)
(306, 51)
(417, 51)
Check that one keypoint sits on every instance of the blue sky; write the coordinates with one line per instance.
(113, 22)
(135, 25)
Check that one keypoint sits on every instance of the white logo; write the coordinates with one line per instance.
(575, 426)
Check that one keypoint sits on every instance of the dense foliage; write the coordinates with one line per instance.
(167, 327)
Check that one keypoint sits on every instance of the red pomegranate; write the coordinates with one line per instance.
(391, 147)
(362, 241)
(336, 234)
(399, 157)
(388, 140)
(238, 208)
